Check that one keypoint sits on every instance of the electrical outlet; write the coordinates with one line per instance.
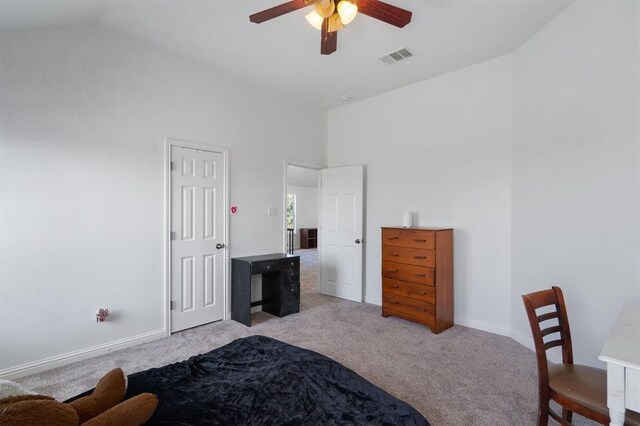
(271, 211)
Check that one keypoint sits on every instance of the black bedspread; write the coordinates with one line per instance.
(261, 381)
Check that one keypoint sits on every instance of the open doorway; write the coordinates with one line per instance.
(302, 220)
(302, 208)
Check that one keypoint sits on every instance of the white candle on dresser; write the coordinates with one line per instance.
(407, 219)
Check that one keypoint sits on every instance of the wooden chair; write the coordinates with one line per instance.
(577, 388)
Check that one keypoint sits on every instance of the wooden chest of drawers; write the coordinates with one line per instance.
(417, 275)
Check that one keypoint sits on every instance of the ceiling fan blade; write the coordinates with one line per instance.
(329, 43)
(385, 12)
(279, 10)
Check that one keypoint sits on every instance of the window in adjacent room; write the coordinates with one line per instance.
(291, 212)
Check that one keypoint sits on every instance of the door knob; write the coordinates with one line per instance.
(358, 241)
(219, 246)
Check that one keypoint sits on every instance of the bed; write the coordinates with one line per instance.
(262, 381)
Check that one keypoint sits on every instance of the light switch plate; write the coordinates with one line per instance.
(271, 211)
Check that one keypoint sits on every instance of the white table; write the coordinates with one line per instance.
(622, 355)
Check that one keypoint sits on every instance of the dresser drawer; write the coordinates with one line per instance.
(411, 238)
(393, 237)
(419, 239)
(415, 274)
(429, 321)
(409, 256)
(424, 293)
(408, 306)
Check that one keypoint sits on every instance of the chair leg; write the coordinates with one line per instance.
(566, 415)
(543, 412)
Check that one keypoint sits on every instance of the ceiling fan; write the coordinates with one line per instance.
(330, 16)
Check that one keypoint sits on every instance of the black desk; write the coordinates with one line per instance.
(280, 285)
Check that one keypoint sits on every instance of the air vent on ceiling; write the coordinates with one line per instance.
(397, 56)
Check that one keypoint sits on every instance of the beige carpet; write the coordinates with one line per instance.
(460, 377)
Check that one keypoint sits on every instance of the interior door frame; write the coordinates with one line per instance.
(284, 206)
(169, 143)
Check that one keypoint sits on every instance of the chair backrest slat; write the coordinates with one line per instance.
(551, 330)
(548, 316)
(553, 344)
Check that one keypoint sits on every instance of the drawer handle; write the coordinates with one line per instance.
(292, 263)
(420, 241)
(291, 290)
(393, 286)
(392, 270)
(393, 238)
(421, 310)
(268, 267)
(424, 293)
(419, 257)
(394, 254)
(421, 275)
(394, 302)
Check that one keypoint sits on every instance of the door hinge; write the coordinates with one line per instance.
(172, 305)
(172, 235)
(171, 165)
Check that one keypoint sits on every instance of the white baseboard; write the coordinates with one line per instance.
(484, 326)
(74, 356)
(377, 302)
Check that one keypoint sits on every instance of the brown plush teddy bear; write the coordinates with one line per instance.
(103, 407)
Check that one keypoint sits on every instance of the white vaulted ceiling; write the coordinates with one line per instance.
(284, 53)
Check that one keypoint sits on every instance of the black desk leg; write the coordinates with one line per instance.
(241, 292)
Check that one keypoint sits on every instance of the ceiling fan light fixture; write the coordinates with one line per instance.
(335, 23)
(325, 8)
(314, 19)
(347, 9)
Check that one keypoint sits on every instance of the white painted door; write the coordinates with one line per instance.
(197, 237)
(341, 232)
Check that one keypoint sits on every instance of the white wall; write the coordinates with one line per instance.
(307, 208)
(440, 148)
(575, 168)
(83, 116)
(535, 165)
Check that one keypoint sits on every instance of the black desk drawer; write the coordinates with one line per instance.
(290, 298)
(265, 267)
(293, 263)
(291, 275)
(291, 270)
